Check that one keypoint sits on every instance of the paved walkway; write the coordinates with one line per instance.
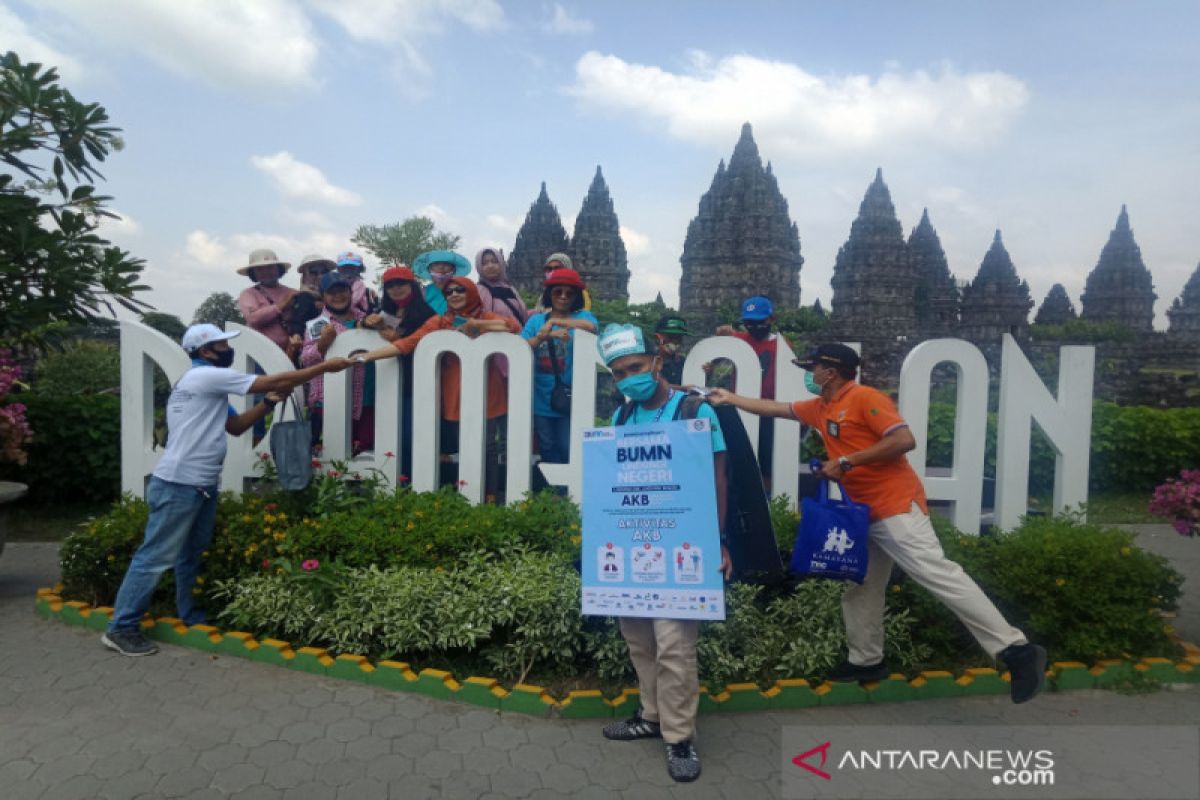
(77, 721)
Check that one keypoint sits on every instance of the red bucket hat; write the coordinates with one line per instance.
(400, 272)
(564, 277)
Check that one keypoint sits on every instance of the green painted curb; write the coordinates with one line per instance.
(591, 704)
(1071, 675)
(891, 690)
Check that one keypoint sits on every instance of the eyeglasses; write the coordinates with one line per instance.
(454, 290)
(319, 270)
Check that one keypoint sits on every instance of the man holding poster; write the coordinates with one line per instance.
(654, 502)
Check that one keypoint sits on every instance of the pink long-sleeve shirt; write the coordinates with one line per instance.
(257, 304)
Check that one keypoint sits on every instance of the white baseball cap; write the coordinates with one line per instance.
(197, 336)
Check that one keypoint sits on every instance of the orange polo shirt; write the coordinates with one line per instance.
(856, 418)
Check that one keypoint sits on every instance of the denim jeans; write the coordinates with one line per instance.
(554, 438)
(178, 531)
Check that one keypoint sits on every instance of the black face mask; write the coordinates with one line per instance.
(758, 331)
(224, 358)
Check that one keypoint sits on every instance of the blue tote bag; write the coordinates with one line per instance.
(831, 541)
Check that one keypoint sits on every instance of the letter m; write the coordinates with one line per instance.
(473, 356)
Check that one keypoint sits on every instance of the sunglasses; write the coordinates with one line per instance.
(562, 291)
(454, 290)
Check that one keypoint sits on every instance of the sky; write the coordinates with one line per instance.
(288, 124)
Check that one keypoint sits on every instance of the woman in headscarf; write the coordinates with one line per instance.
(438, 267)
(403, 311)
(495, 292)
(465, 314)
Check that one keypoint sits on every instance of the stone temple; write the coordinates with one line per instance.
(873, 277)
(996, 302)
(741, 243)
(541, 234)
(1057, 308)
(936, 295)
(1184, 313)
(597, 250)
(1120, 288)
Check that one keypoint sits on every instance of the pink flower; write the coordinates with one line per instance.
(316, 463)
(462, 483)
(356, 476)
(310, 565)
(266, 562)
(389, 454)
(265, 456)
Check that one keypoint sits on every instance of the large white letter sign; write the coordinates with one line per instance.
(142, 348)
(473, 355)
(964, 486)
(1066, 422)
(585, 357)
(338, 412)
(749, 372)
(250, 348)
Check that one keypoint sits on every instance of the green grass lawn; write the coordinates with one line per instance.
(1112, 508)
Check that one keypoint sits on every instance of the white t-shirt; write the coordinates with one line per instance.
(196, 414)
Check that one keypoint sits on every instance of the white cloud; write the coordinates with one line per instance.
(265, 44)
(16, 36)
(391, 21)
(561, 22)
(123, 225)
(303, 181)
(399, 24)
(636, 244)
(203, 248)
(503, 224)
(796, 113)
(439, 215)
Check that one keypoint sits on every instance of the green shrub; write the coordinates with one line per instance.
(1083, 591)
(75, 455)
(81, 367)
(496, 589)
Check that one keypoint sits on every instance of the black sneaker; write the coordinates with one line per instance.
(1027, 665)
(683, 764)
(129, 643)
(633, 728)
(846, 672)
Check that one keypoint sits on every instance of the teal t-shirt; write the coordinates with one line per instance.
(641, 416)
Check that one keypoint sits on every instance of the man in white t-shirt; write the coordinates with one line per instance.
(182, 492)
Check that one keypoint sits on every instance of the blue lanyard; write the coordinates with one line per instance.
(663, 407)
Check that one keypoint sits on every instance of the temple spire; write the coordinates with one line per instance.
(936, 296)
(1120, 289)
(597, 248)
(997, 301)
(541, 234)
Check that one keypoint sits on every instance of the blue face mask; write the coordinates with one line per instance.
(811, 384)
(639, 388)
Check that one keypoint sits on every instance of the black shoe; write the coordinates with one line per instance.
(846, 672)
(683, 764)
(129, 643)
(633, 728)
(1027, 665)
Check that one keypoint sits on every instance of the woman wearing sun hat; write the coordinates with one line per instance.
(265, 305)
(438, 267)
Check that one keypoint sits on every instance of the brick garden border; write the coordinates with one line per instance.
(590, 703)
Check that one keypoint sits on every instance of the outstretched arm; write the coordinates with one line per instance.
(286, 381)
(763, 408)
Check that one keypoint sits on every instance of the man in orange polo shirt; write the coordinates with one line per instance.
(866, 439)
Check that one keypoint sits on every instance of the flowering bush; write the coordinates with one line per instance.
(14, 427)
(1179, 500)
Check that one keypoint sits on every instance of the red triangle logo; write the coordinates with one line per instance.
(823, 749)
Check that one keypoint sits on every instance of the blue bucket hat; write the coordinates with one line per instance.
(420, 266)
(622, 340)
(332, 279)
(757, 308)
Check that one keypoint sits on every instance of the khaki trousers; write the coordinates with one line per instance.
(909, 541)
(663, 652)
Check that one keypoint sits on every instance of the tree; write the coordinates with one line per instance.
(218, 308)
(55, 270)
(168, 325)
(402, 242)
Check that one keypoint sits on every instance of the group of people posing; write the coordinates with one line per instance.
(864, 436)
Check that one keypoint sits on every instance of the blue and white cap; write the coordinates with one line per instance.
(621, 340)
(197, 336)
